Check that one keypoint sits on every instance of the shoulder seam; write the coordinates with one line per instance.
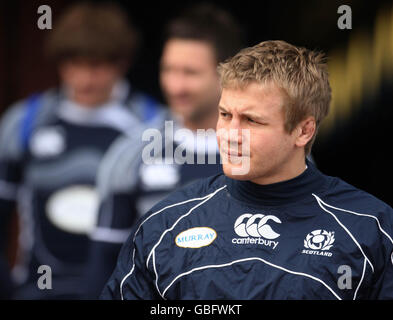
(346, 230)
(358, 214)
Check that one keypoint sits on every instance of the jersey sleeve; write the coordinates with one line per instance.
(11, 155)
(16, 127)
(383, 286)
(132, 279)
(117, 179)
(107, 239)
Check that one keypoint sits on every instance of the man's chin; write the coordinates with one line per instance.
(184, 110)
(91, 102)
(236, 172)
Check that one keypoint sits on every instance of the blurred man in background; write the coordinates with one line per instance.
(51, 145)
(194, 43)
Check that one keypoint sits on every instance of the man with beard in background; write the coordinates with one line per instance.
(130, 184)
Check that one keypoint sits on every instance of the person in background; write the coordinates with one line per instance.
(51, 145)
(194, 43)
(6, 284)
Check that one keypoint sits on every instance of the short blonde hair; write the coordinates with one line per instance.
(300, 73)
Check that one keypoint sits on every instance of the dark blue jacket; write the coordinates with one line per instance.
(50, 151)
(312, 237)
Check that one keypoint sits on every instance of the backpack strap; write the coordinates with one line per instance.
(32, 107)
(150, 109)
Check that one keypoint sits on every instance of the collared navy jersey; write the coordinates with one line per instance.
(130, 187)
(311, 237)
(50, 152)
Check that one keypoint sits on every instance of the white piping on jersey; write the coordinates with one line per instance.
(249, 259)
(361, 279)
(345, 228)
(8, 190)
(110, 235)
(358, 214)
(150, 216)
(152, 252)
(206, 198)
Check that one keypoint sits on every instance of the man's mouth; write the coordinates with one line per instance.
(180, 101)
(231, 152)
(232, 155)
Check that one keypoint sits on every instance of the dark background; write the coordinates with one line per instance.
(355, 146)
(307, 23)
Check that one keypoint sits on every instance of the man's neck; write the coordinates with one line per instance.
(290, 171)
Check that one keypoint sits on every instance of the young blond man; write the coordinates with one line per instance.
(280, 230)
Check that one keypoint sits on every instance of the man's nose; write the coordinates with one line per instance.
(87, 76)
(176, 83)
(230, 135)
(235, 132)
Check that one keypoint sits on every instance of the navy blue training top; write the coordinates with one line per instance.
(311, 237)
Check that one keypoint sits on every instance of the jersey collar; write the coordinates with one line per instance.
(280, 193)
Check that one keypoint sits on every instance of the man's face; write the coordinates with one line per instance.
(90, 82)
(189, 79)
(268, 147)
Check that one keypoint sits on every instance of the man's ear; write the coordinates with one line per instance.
(305, 131)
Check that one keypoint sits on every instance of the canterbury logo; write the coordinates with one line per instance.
(255, 225)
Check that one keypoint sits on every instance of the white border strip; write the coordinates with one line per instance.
(249, 259)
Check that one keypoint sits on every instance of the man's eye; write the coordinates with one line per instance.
(165, 68)
(191, 72)
(224, 114)
(251, 120)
